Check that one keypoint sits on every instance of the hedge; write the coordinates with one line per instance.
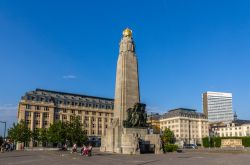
(170, 148)
(216, 141)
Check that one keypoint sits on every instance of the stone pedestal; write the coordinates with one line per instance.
(129, 140)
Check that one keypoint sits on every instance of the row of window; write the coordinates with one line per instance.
(85, 112)
(37, 122)
(182, 121)
(66, 102)
(36, 114)
(45, 108)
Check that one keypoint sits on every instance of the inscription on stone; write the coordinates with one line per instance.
(231, 143)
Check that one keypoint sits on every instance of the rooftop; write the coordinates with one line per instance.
(71, 94)
(183, 112)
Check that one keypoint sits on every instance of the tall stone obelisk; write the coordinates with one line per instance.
(119, 138)
(127, 80)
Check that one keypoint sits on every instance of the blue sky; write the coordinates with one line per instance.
(184, 49)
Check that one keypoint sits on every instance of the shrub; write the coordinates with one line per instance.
(216, 141)
(170, 148)
(205, 142)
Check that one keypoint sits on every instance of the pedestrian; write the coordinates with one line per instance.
(74, 148)
(83, 149)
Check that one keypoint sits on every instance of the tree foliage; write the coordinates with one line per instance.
(58, 133)
(72, 132)
(43, 134)
(168, 140)
(20, 132)
(35, 135)
(168, 136)
(76, 133)
(1, 140)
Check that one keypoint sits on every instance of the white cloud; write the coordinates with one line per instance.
(69, 77)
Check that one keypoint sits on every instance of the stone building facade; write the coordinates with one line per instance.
(237, 128)
(189, 126)
(153, 119)
(40, 108)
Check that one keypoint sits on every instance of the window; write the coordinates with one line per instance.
(37, 122)
(45, 123)
(57, 110)
(27, 114)
(28, 106)
(37, 108)
(27, 121)
(57, 117)
(46, 108)
(37, 115)
(64, 117)
(46, 115)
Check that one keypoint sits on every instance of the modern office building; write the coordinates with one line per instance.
(40, 108)
(218, 107)
(189, 126)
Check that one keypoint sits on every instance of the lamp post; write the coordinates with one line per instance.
(4, 122)
(189, 132)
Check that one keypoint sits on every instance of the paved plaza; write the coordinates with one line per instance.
(66, 158)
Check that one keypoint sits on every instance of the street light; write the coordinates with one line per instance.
(4, 122)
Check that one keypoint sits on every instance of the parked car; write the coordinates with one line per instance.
(190, 146)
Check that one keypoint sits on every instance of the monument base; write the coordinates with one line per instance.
(130, 141)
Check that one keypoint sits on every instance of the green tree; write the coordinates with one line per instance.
(35, 135)
(1, 140)
(43, 136)
(168, 140)
(75, 131)
(167, 137)
(20, 132)
(57, 132)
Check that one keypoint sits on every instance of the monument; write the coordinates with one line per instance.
(128, 133)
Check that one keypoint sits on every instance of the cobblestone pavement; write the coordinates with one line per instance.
(66, 158)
